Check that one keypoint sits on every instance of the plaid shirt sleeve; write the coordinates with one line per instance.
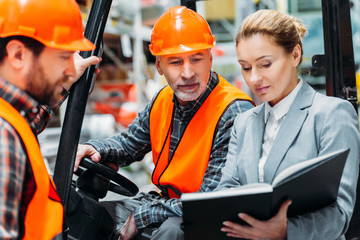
(129, 146)
(159, 211)
(12, 165)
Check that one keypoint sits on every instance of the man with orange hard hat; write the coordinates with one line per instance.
(38, 64)
(186, 126)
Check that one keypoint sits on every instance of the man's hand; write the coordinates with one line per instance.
(129, 230)
(274, 228)
(80, 66)
(86, 151)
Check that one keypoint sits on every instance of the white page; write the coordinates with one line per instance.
(236, 191)
(300, 167)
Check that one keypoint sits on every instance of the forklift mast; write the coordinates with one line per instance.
(75, 109)
(191, 4)
(338, 63)
(339, 60)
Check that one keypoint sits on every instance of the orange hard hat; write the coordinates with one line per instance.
(180, 30)
(55, 23)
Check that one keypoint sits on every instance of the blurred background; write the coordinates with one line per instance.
(128, 78)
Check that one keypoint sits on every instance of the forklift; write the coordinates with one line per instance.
(84, 216)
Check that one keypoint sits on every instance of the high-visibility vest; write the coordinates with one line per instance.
(44, 214)
(184, 172)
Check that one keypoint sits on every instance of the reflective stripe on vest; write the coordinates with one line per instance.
(44, 215)
(184, 172)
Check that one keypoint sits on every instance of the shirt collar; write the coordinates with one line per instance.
(194, 105)
(27, 106)
(282, 107)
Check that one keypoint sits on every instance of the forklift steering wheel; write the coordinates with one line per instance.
(123, 185)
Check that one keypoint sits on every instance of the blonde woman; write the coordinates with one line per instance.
(295, 123)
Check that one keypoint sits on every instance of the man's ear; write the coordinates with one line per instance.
(157, 64)
(17, 53)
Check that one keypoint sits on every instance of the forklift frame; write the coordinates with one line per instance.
(339, 54)
(191, 4)
(338, 63)
(76, 105)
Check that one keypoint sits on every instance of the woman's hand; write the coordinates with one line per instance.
(274, 228)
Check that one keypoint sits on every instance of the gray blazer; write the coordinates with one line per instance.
(315, 125)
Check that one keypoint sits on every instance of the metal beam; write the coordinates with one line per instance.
(339, 55)
(340, 72)
(75, 109)
(191, 4)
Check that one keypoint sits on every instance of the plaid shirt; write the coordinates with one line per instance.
(132, 145)
(17, 185)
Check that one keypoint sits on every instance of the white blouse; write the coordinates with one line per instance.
(273, 119)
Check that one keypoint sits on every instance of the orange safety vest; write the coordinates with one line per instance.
(44, 215)
(185, 171)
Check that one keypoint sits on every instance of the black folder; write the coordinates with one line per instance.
(311, 185)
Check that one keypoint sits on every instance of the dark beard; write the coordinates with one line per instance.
(40, 87)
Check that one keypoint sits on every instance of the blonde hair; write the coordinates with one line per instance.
(285, 30)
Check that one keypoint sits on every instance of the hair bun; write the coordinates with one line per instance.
(299, 27)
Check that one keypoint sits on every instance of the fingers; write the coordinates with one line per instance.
(241, 231)
(85, 62)
(274, 228)
(248, 219)
(282, 213)
(82, 63)
(129, 229)
(83, 151)
(233, 229)
(93, 60)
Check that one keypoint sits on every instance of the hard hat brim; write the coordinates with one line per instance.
(181, 49)
(79, 45)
